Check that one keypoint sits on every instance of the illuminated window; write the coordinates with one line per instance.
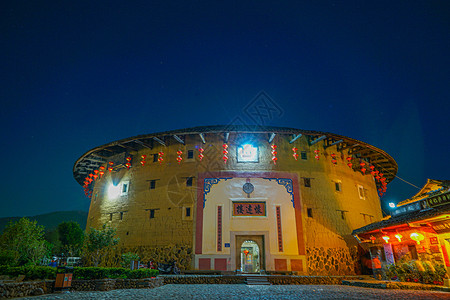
(361, 192)
(303, 155)
(125, 187)
(247, 153)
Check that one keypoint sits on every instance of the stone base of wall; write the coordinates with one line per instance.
(34, 288)
(330, 261)
(22, 289)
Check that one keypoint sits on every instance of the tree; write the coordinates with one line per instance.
(23, 242)
(100, 240)
(71, 237)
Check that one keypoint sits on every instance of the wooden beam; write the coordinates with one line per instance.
(294, 138)
(318, 140)
(271, 137)
(95, 160)
(202, 137)
(126, 147)
(159, 141)
(334, 143)
(143, 144)
(348, 146)
(179, 140)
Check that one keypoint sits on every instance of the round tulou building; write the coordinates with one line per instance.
(247, 198)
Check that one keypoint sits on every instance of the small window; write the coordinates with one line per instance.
(188, 212)
(307, 182)
(189, 181)
(338, 186)
(190, 154)
(155, 157)
(361, 192)
(303, 155)
(125, 187)
(121, 215)
(152, 184)
(110, 217)
(152, 213)
(343, 215)
(309, 210)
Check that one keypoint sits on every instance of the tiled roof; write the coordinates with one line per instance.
(406, 218)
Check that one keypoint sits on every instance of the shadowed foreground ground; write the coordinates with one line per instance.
(241, 291)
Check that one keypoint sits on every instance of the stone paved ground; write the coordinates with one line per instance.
(241, 291)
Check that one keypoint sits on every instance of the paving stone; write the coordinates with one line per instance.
(241, 291)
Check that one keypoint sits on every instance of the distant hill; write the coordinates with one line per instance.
(51, 220)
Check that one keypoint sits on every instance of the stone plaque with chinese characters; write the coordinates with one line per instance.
(249, 209)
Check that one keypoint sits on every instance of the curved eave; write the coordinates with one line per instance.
(97, 156)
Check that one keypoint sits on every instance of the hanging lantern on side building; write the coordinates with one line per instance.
(274, 154)
(200, 155)
(295, 155)
(225, 153)
(316, 156)
(179, 157)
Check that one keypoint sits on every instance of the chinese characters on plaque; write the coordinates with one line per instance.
(249, 208)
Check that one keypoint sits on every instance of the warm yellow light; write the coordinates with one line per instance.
(399, 237)
(417, 237)
(113, 191)
(386, 238)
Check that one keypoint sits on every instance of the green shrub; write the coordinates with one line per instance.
(30, 272)
(101, 273)
(127, 258)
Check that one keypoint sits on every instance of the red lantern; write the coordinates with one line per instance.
(160, 157)
(95, 177)
(110, 169)
(179, 158)
(225, 153)
(102, 168)
(128, 165)
(295, 155)
(111, 163)
(350, 165)
(372, 239)
(274, 154)
(101, 173)
(317, 156)
(143, 157)
(200, 155)
(96, 172)
(245, 252)
(372, 167)
(363, 170)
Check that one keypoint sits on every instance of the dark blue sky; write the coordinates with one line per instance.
(78, 74)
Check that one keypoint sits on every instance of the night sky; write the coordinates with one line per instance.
(79, 74)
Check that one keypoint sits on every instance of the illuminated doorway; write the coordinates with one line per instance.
(250, 257)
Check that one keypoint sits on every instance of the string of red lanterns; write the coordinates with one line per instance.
(143, 157)
(200, 155)
(333, 158)
(160, 157)
(274, 154)
(179, 157)
(225, 153)
(317, 156)
(295, 155)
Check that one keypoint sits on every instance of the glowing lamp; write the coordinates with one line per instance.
(398, 236)
(143, 157)
(362, 164)
(101, 173)
(417, 237)
(128, 165)
(111, 163)
(391, 204)
(349, 158)
(372, 167)
(128, 159)
(96, 172)
(372, 239)
(95, 177)
(386, 238)
(110, 169)
(363, 170)
(102, 168)
(350, 165)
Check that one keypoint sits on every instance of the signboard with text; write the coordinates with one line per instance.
(249, 208)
